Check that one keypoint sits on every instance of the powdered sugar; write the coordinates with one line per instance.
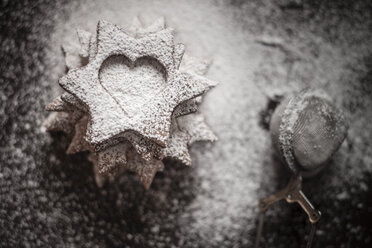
(237, 167)
(133, 86)
(228, 169)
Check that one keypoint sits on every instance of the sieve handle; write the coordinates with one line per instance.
(292, 193)
(299, 197)
(294, 184)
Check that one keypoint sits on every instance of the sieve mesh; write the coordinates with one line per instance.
(317, 133)
(306, 130)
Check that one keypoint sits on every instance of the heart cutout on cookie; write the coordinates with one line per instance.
(132, 84)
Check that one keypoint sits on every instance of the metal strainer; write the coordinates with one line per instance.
(306, 130)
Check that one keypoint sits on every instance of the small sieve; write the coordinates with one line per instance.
(306, 130)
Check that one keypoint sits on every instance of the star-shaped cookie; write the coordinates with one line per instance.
(130, 100)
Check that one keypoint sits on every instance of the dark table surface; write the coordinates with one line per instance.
(49, 199)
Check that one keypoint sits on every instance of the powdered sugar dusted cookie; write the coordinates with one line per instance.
(131, 100)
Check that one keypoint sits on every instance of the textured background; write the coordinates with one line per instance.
(50, 199)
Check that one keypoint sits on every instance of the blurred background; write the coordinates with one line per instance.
(260, 50)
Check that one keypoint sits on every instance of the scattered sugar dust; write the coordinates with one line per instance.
(259, 49)
(251, 66)
(230, 170)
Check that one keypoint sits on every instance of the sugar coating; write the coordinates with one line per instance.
(131, 84)
(108, 116)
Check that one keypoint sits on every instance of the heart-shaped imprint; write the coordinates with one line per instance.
(132, 84)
